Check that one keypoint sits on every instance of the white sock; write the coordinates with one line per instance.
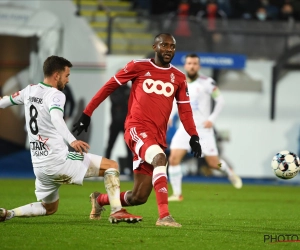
(29, 210)
(175, 176)
(225, 168)
(112, 186)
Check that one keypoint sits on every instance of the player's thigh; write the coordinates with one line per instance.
(208, 142)
(176, 156)
(98, 165)
(73, 170)
(180, 140)
(143, 145)
(46, 190)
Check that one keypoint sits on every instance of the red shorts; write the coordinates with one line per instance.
(139, 140)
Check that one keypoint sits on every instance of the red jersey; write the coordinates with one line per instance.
(152, 93)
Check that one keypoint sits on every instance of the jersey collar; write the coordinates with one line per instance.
(47, 85)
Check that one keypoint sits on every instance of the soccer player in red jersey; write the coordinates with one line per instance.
(155, 84)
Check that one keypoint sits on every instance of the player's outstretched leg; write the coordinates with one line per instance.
(96, 208)
(175, 176)
(175, 197)
(167, 221)
(235, 180)
(29, 210)
(3, 214)
(120, 215)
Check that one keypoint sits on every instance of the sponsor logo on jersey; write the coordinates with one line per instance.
(55, 99)
(16, 94)
(55, 105)
(158, 87)
(35, 99)
(39, 147)
(172, 76)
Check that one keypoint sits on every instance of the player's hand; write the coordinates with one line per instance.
(170, 123)
(4, 97)
(195, 145)
(207, 124)
(80, 146)
(82, 124)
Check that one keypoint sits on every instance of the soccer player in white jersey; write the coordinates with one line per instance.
(201, 90)
(53, 164)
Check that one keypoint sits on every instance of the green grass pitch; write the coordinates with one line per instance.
(213, 216)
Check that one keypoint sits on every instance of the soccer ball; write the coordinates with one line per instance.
(285, 164)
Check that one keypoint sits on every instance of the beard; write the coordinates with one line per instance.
(162, 60)
(60, 85)
(192, 76)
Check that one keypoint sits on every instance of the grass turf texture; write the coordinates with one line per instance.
(212, 216)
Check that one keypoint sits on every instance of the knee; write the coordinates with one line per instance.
(212, 162)
(138, 199)
(114, 164)
(159, 160)
(155, 156)
(173, 160)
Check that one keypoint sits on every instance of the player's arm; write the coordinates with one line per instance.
(15, 99)
(219, 104)
(122, 77)
(216, 95)
(186, 117)
(56, 113)
(5, 102)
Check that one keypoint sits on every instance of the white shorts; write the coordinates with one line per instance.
(72, 171)
(208, 144)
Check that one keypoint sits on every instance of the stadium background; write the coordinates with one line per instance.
(98, 43)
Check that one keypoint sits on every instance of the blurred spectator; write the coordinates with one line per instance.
(70, 103)
(261, 14)
(119, 105)
(183, 28)
(212, 10)
(272, 10)
(287, 12)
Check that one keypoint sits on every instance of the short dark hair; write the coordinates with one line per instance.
(55, 64)
(193, 55)
(162, 34)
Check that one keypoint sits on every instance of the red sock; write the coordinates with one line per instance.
(161, 191)
(124, 203)
(103, 200)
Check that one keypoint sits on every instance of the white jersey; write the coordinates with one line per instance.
(201, 91)
(47, 146)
